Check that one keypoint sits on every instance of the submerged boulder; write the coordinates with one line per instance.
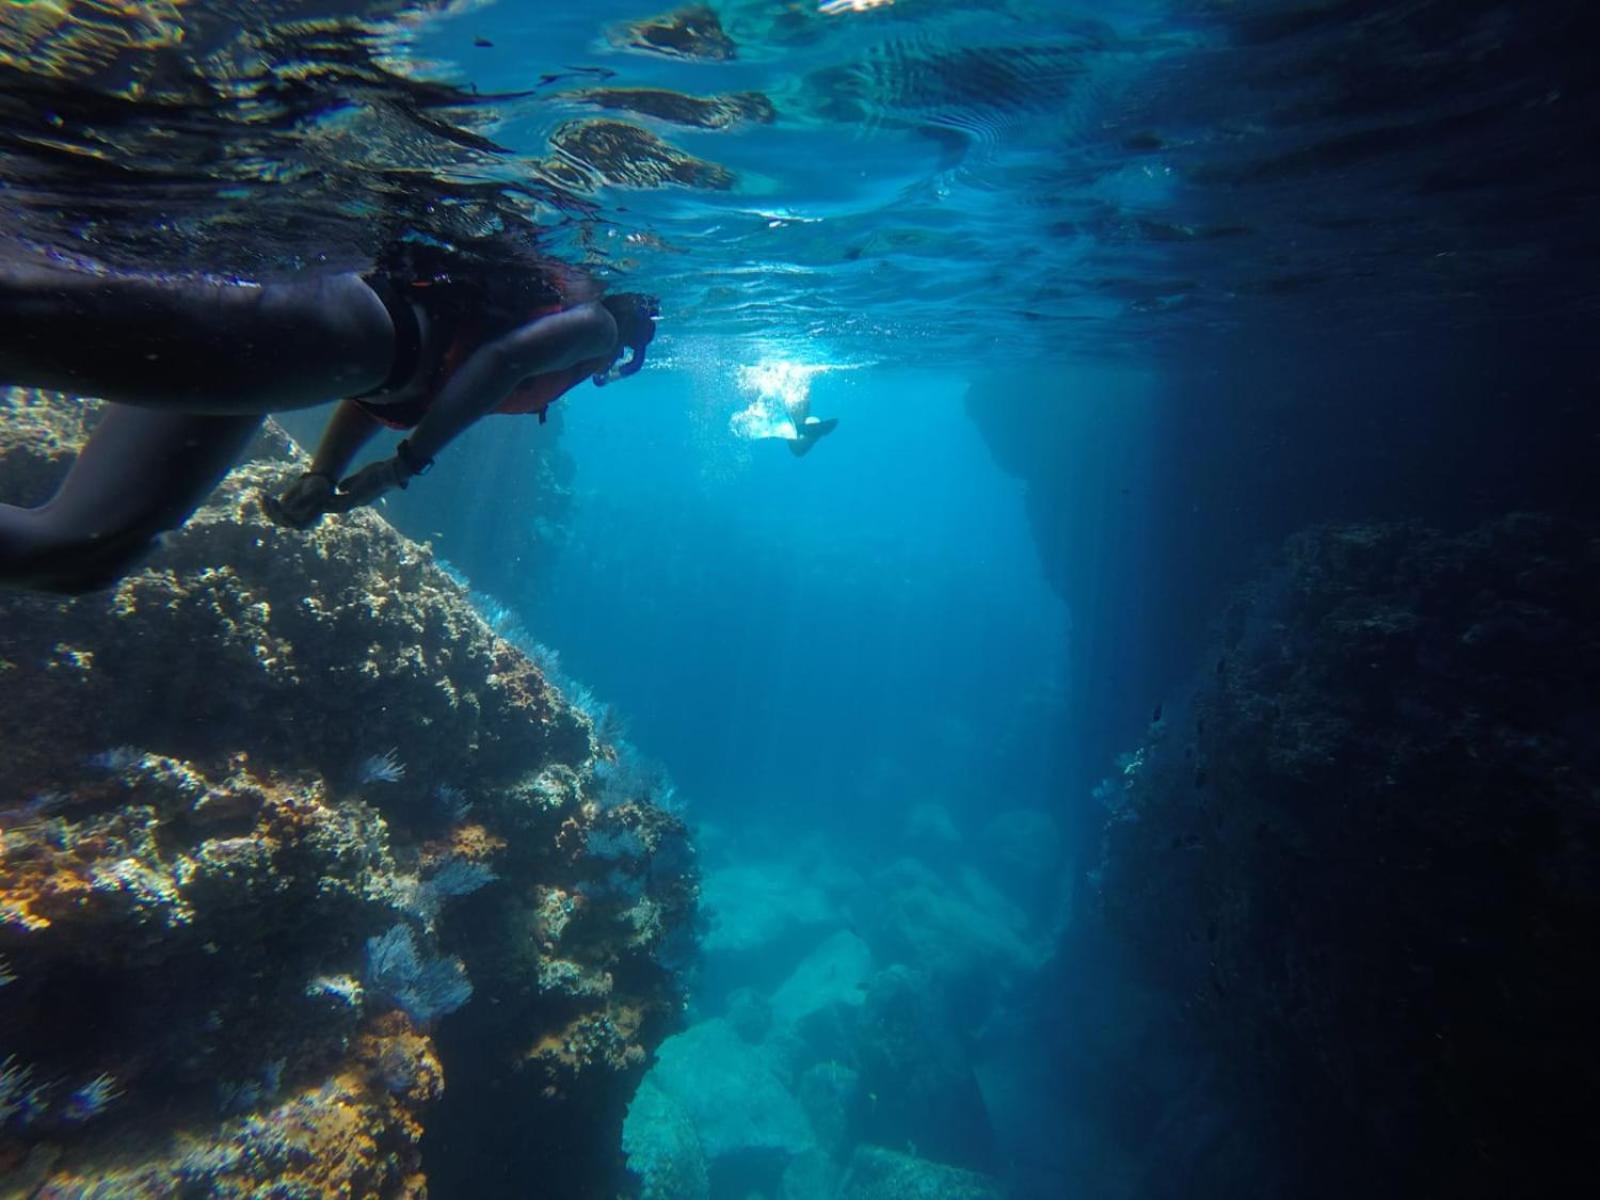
(917, 1087)
(958, 929)
(714, 1112)
(290, 843)
(731, 1091)
(663, 1147)
(761, 918)
(836, 972)
(879, 1174)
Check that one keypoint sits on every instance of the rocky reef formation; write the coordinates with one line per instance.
(300, 864)
(851, 1009)
(1155, 487)
(1363, 866)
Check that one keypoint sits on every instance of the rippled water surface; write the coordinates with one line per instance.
(918, 181)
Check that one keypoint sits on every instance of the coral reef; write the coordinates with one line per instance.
(245, 945)
(1364, 861)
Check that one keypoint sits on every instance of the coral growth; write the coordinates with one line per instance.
(236, 937)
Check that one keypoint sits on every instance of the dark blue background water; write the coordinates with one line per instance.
(776, 628)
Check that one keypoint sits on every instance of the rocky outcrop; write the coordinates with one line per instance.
(1363, 863)
(298, 857)
(856, 1009)
(879, 1174)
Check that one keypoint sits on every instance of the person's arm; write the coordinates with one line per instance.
(494, 370)
(350, 428)
(307, 498)
(480, 385)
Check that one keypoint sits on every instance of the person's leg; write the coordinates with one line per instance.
(142, 472)
(193, 344)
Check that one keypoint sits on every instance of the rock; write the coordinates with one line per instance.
(828, 1091)
(207, 846)
(917, 1087)
(836, 972)
(809, 1176)
(753, 907)
(750, 1014)
(963, 934)
(703, 1067)
(1367, 866)
(879, 1174)
(663, 1148)
(760, 919)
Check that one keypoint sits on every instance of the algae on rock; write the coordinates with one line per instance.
(193, 858)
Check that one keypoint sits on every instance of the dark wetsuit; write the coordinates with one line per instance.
(191, 366)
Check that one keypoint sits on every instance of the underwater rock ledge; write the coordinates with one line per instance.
(1362, 865)
(288, 838)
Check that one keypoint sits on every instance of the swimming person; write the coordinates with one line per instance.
(190, 366)
(808, 430)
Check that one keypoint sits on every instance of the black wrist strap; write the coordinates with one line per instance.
(409, 460)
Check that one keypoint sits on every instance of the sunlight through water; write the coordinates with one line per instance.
(779, 395)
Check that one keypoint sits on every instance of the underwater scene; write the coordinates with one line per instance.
(799, 599)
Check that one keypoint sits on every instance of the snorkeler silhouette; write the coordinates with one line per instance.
(808, 430)
(424, 342)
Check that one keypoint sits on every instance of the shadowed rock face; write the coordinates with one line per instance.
(693, 32)
(1364, 864)
(699, 112)
(203, 836)
(622, 154)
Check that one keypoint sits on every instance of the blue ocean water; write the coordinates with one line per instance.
(1109, 301)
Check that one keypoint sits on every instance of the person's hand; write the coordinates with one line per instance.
(370, 483)
(303, 503)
